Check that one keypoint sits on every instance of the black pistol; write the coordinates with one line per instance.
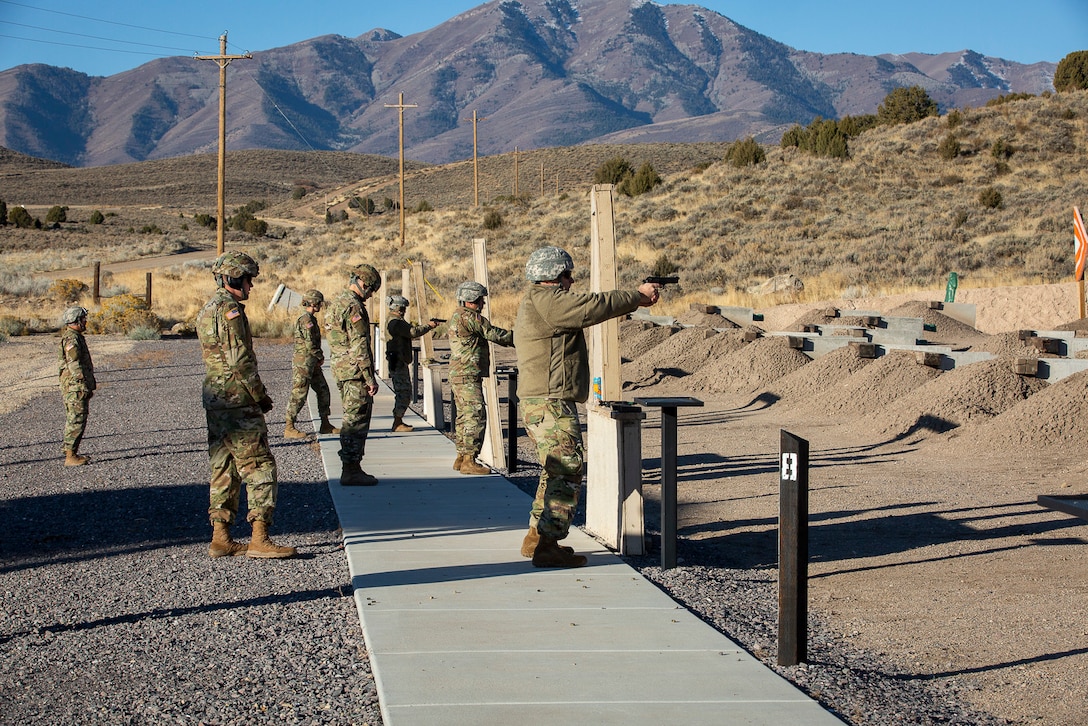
(658, 280)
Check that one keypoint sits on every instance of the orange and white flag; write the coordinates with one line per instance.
(1080, 244)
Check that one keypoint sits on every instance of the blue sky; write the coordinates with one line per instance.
(91, 32)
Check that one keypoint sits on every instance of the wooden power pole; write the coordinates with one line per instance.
(475, 159)
(223, 60)
(400, 106)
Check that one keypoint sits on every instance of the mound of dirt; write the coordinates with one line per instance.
(752, 368)
(968, 394)
(948, 331)
(807, 382)
(635, 343)
(680, 355)
(706, 320)
(872, 387)
(1007, 345)
(1056, 417)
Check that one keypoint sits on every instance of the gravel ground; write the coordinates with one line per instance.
(112, 612)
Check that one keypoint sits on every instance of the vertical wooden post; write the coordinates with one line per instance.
(147, 288)
(381, 365)
(542, 178)
(432, 377)
(515, 173)
(604, 339)
(492, 453)
(475, 161)
(793, 551)
(96, 286)
(400, 106)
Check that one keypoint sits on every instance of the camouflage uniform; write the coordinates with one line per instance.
(234, 401)
(306, 368)
(398, 351)
(348, 327)
(77, 385)
(470, 362)
(553, 364)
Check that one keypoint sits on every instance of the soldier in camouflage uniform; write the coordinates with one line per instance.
(348, 325)
(470, 362)
(553, 367)
(77, 384)
(398, 352)
(235, 402)
(306, 368)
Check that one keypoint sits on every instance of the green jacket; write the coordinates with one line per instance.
(307, 342)
(470, 354)
(75, 366)
(398, 341)
(553, 361)
(226, 344)
(348, 326)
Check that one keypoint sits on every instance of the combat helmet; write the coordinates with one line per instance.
(235, 264)
(397, 302)
(313, 298)
(547, 264)
(366, 275)
(73, 314)
(470, 291)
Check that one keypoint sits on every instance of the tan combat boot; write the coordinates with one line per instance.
(469, 466)
(457, 462)
(263, 548)
(550, 554)
(400, 427)
(71, 458)
(327, 427)
(532, 538)
(290, 432)
(353, 476)
(222, 545)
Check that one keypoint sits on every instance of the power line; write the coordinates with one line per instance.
(99, 20)
(93, 37)
(79, 45)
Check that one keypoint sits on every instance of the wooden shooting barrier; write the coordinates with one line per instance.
(614, 509)
(381, 365)
(492, 452)
(432, 374)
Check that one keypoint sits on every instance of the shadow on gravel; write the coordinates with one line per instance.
(176, 612)
(96, 523)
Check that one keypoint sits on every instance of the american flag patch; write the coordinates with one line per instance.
(356, 318)
(233, 313)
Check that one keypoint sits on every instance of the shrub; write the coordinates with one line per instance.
(640, 182)
(954, 118)
(144, 333)
(663, 266)
(612, 171)
(150, 229)
(795, 136)
(21, 218)
(1008, 98)
(97, 218)
(10, 326)
(3, 213)
(257, 227)
(1001, 149)
(423, 206)
(492, 219)
(56, 214)
(906, 105)
(206, 220)
(122, 314)
(746, 153)
(990, 198)
(298, 193)
(949, 148)
(388, 203)
(67, 290)
(1072, 72)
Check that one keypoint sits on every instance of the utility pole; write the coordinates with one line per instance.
(542, 178)
(223, 60)
(515, 173)
(475, 161)
(400, 106)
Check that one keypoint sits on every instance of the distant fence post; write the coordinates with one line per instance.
(793, 551)
(95, 286)
(148, 289)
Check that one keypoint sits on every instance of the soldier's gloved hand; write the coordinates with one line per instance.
(265, 404)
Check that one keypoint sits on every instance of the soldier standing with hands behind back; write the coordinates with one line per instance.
(470, 363)
(348, 325)
(554, 371)
(306, 368)
(235, 402)
(398, 351)
(77, 383)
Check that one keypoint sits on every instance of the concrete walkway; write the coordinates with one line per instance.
(463, 630)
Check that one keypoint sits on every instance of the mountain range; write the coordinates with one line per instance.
(536, 73)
